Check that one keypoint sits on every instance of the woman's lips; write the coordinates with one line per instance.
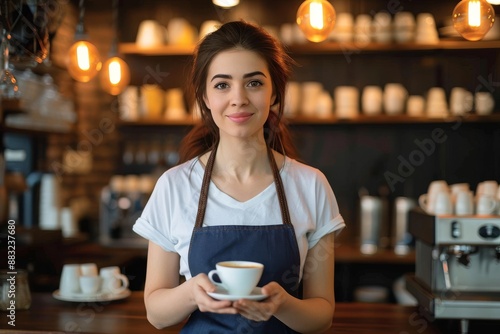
(239, 117)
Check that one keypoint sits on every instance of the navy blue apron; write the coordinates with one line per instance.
(273, 245)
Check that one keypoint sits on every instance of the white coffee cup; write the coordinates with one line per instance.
(112, 280)
(395, 95)
(150, 34)
(346, 101)
(310, 93)
(362, 28)
(458, 187)
(69, 283)
(436, 106)
(237, 277)
(90, 285)
(488, 187)
(415, 105)
(464, 203)
(404, 27)
(428, 201)
(443, 204)
(461, 101)
(89, 269)
(486, 205)
(371, 100)
(484, 103)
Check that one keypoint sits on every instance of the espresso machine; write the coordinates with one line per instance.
(457, 269)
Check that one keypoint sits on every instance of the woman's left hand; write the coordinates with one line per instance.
(262, 310)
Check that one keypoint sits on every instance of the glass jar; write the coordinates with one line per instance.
(14, 290)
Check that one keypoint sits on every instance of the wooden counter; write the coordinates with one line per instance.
(129, 316)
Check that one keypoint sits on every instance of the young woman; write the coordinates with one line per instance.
(239, 194)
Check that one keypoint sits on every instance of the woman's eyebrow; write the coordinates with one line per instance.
(247, 75)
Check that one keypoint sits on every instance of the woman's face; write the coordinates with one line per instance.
(239, 93)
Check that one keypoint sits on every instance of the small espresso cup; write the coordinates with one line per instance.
(239, 278)
(90, 285)
(112, 280)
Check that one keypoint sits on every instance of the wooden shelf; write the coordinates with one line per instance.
(164, 50)
(350, 253)
(324, 47)
(395, 119)
(360, 119)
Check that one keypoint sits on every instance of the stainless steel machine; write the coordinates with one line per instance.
(457, 270)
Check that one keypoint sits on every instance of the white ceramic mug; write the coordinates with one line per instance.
(415, 105)
(464, 203)
(112, 280)
(70, 280)
(150, 34)
(461, 101)
(484, 103)
(371, 100)
(486, 205)
(239, 278)
(346, 101)
(428, 201)
(395, 95)
(488, 187)
(443, 204)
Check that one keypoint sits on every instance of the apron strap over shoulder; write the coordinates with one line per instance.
(202, 202)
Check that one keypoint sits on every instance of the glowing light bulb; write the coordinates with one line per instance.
(226, 3)
(472, 19)
(84, 61)
(316, 18)
(115, 75)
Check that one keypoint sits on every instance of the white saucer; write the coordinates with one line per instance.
(222, 294)
(98, 297)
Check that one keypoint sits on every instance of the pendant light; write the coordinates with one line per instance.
(473, 19)
(226, 3)
(115, 74)
(84, 61)
(316, 18)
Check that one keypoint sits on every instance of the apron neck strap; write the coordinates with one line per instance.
(202, 203)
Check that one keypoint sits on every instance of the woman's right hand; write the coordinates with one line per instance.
(200, 286)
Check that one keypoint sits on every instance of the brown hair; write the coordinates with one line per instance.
(238, 34)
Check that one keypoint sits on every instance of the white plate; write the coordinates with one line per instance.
(222, 294)
(99, 297)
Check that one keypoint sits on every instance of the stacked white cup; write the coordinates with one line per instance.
(382, 27)
(486, 197)
(404, 27)
(426, 29)
(346, 101)
(363, 28)
(461, 101)
(459, 199)
(371, 100)
(344, 27)
(437, 200)
(436, 102)
(395, 95)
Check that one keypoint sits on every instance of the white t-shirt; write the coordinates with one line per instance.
(169, 216)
